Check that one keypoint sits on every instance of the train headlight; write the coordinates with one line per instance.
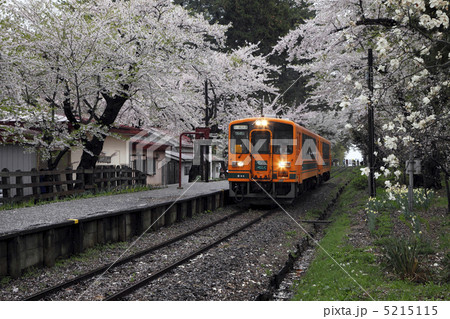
(237, 164)
(261, 123)
(284, 164)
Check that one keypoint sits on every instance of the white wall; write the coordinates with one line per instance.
(114, 147)
(14, 157)
(156, 179)
(185, 177)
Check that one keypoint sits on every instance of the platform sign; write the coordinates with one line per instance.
(202, 133)
(414, 166)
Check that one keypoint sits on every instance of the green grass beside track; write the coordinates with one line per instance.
(358, 273)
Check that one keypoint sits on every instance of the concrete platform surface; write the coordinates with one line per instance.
(15, 220)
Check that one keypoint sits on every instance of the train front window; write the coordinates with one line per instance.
(282, 138)
(239, 139)
(260, 142)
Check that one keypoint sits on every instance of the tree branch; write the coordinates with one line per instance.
(385, 22)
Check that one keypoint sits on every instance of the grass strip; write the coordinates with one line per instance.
(325, 280)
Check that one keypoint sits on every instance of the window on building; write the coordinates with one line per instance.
(151, 166)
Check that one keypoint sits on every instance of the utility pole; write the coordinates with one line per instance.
(204, 149)
(371, 143)
(207, 114)
(262, 107)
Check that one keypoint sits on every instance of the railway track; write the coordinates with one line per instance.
(130, 289)
(88, 275)
(49, 292)
(153, 274)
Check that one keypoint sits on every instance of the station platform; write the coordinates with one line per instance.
(16, 220)
(38, 235)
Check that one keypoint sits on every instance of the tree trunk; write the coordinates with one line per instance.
(95, 145)
(52, 163)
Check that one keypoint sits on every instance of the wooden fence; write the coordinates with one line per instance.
(36, 185)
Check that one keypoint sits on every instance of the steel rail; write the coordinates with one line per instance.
(126, 291)
(49, 291)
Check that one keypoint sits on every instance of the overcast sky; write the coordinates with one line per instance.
(353, 154)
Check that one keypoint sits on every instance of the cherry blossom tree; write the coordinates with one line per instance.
(411, 42)
(73, 69)
(234, 79)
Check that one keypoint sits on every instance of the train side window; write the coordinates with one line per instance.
(282, 146)
(326, 150)
(309, 147)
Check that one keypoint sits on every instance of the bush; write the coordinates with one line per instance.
(378, 216)
(380, 182)
(402, 257)
(360, 182)
(397, 200)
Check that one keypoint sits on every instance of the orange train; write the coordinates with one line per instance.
(275, 156)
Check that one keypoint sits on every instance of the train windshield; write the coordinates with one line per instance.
(239, 138)
(260, 142)
(282, 138)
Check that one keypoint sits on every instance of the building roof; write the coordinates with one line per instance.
(153, 136)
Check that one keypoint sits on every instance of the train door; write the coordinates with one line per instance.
(261, 154)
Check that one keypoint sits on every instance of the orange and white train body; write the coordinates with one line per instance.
(276, 157)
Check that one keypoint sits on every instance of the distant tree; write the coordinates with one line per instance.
(338, 151)
(260, 22)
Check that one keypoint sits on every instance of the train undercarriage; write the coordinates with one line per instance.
(277, 190)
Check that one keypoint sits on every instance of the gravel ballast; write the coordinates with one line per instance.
(237, 269)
